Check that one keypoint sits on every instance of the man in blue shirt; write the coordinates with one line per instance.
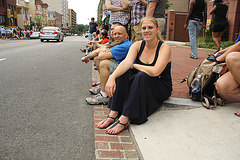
(238, 39)
(109, 60)
(92, 28)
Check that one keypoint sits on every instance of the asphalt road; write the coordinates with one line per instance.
(43, 113)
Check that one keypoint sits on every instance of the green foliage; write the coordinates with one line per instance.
(208, 32)
(210, 45)
(168, 4)
(38, 22)
(81, 28)
(71, 29)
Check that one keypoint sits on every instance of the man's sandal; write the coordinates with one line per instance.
(105, 121)
(96, 84)
(237, 114)
(114, 125)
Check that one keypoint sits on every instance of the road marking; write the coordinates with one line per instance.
(15, 43)
(3, 59)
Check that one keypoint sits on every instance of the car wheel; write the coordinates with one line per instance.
(62, 39)
(41, 40)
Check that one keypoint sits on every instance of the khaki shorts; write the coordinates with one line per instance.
(113, 66)
(136, 33)
(161, 24)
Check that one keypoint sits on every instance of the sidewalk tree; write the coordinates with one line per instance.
(82, 28)
(38, 23)
(71, 30)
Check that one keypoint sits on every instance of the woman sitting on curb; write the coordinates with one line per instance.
(229, 83)
(141, 82)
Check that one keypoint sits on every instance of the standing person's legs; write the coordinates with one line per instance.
(192, 38)
(136, 33)
(90, 36)
(161, 24)
(217, 38)
(194, 29)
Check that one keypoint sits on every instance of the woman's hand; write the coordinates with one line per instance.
(110, 86)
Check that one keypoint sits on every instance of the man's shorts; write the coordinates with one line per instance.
(161, 24)
(113, 66)
(136, 33)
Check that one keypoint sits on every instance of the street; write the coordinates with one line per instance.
(43, 113)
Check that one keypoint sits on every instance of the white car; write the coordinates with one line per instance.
(35, 35)
(51, 33)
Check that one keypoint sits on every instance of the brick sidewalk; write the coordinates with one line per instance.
(182, 65)
(122, 146)
(107, 146)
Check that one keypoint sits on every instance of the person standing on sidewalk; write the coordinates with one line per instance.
(156, 9)
(196, 19)
(137, 13)
(219, 10)
(92, 27)
(119, 11)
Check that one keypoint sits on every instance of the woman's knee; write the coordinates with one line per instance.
(220, 87)
(233, 59)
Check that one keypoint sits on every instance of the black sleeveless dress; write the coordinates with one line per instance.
(138, 95)
(220, 18)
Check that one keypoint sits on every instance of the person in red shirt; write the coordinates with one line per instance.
(103, 40)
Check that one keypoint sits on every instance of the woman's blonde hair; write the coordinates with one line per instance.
(94, 34)
(152, 19)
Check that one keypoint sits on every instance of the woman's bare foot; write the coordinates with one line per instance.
(85, 59)
(118, 126)
(111, 118)
(237, 113)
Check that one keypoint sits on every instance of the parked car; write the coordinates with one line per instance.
(35, 35)
(51, 33)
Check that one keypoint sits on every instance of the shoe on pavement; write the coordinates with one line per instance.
(193, 57)
(98, 99)
(95, 90)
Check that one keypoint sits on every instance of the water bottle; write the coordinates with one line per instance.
(196, 89)
(86, 52)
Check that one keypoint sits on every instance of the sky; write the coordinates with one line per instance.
(85, 9)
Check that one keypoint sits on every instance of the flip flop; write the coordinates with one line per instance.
(105, 121)
(114, 125)
(237, 114)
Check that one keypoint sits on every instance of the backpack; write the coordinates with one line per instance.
(210, 70)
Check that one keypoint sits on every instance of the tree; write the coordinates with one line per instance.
(82, 28)
(71, 30)
(38, 23)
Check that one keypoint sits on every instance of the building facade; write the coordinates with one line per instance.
(8, 13)
(60, 6)
(72, 18)
(54, 19)
(3, 13)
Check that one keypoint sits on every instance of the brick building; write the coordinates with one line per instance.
(8, 13)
